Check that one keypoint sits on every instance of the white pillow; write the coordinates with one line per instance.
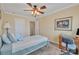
(0, 42)
(11, 37)
(19, 37)
(5, 39)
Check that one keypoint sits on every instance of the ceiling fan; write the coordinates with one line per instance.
(36, 10)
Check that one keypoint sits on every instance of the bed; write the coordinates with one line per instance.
(26, 46)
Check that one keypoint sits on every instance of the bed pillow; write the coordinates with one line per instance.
(11, 37)
(0, 42)
(19, 37)
(5, 39)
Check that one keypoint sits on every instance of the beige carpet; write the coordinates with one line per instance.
(50, 50)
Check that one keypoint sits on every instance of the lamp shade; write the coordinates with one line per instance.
(7, 25)
(77, 32)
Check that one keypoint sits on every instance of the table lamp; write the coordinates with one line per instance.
(7, 26)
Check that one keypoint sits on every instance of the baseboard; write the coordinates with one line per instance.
(55, 43)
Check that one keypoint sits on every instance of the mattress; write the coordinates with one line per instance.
(29, 43)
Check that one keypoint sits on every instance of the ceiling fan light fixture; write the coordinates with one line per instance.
(38, 13)
(34, 13)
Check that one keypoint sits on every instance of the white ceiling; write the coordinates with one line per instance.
(18, 8)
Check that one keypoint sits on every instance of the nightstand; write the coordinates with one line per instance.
(77, 42)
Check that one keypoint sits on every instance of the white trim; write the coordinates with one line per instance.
(65, 8)
(16, 14)
(54, 42)
(43, 15)
(29, 17)
(52, 13)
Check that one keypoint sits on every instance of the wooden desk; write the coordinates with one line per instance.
(77, 42)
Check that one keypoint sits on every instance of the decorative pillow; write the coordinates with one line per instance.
(19, 37)
(11, 37)
(5, 39)
(0, 42)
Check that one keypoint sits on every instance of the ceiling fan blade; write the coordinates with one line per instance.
(29, 4)
(41, 12)
(43, 7)
(28, 10)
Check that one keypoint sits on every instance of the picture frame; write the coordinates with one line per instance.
(64, 24)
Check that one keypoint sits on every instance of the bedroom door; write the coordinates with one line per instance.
(32, 28)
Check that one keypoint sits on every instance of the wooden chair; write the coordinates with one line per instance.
(60, 43)
(67, 40)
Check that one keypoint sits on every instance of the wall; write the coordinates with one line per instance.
(11, 19)
(0, 20)
(47, 23)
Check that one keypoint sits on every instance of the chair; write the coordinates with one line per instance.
(66, 44)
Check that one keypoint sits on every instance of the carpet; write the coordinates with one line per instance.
(50, 50)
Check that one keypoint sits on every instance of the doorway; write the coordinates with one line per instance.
(32, 28)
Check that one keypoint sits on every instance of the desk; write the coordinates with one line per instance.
(77, 42)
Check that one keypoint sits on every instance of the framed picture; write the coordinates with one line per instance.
(63, 24)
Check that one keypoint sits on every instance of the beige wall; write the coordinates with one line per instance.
(47, 23)
(11, 19)
(0, 20)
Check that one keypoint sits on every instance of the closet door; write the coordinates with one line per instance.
(20, 26)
